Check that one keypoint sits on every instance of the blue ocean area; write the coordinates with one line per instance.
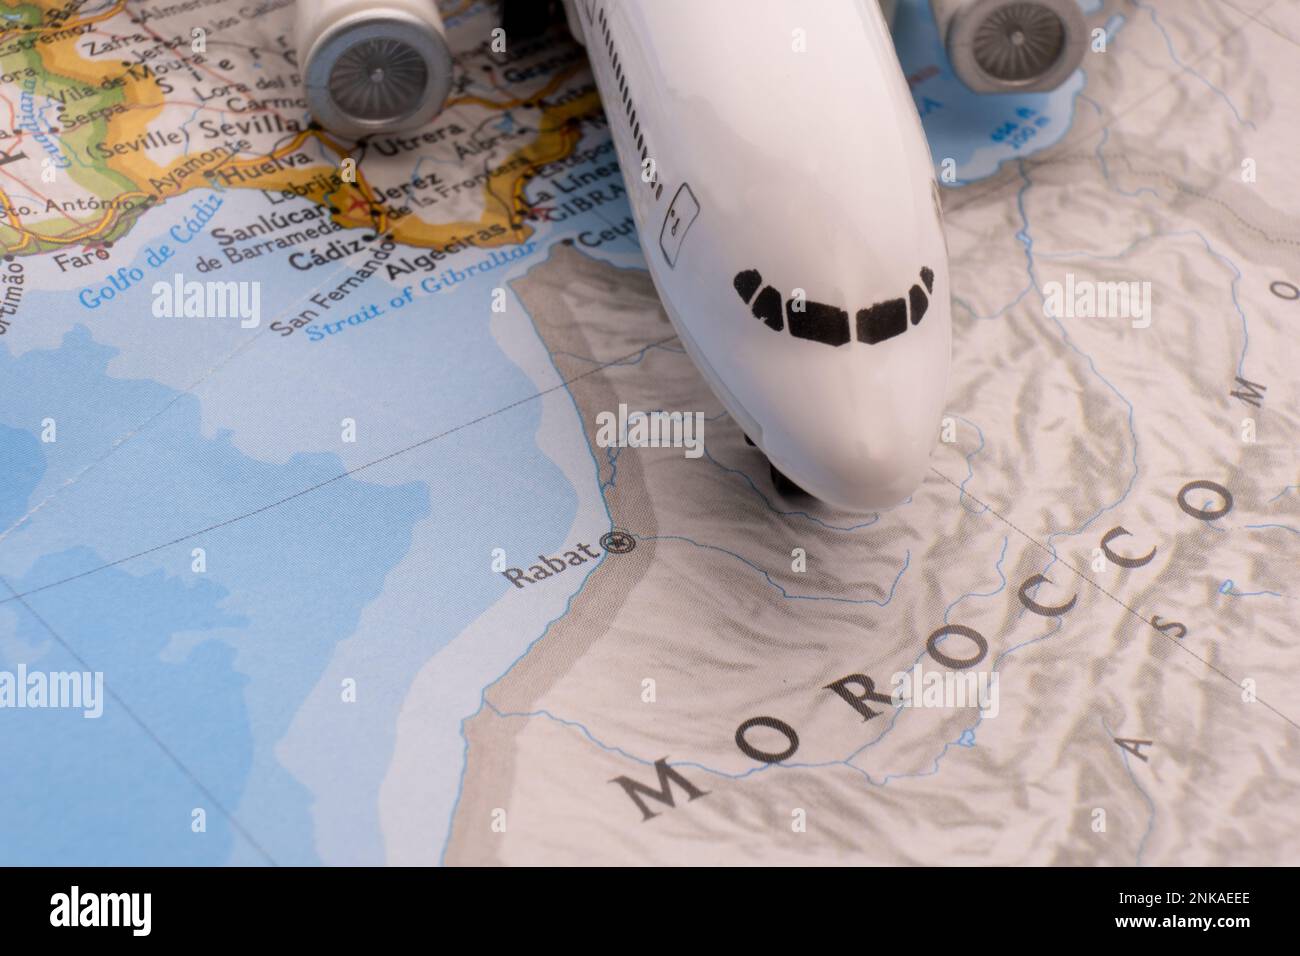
(212, 670)
(179, 660)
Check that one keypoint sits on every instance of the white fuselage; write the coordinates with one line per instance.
(785, 200)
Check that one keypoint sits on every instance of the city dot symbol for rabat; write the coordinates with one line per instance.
(617, 541)
(829, 324)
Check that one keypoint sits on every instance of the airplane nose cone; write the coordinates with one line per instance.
(859, 466)
(874, 471)
(854, 425)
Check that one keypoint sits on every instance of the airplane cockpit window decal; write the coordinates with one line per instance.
(829, 324)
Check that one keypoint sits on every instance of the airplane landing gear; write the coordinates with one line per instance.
(784, 486)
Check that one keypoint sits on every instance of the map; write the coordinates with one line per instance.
(337, 570)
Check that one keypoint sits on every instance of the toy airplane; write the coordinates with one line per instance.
(782, 189)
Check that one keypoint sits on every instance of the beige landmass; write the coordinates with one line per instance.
(1115, 742)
